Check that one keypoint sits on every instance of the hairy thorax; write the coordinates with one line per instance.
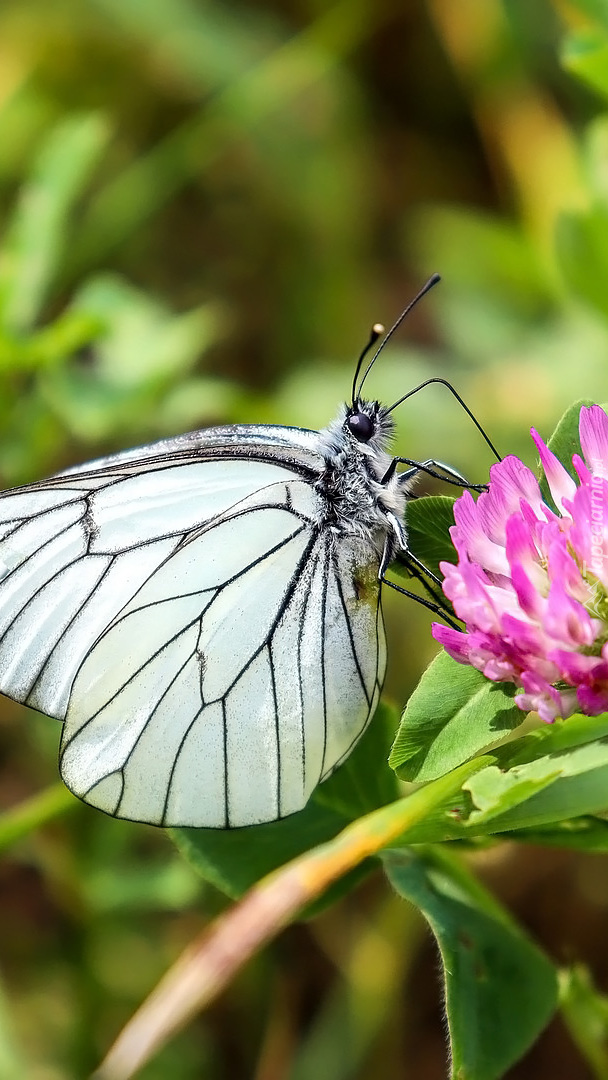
(354, 501)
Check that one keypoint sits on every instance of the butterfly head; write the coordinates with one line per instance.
(362, 431)
(361, 424)
(368, 423)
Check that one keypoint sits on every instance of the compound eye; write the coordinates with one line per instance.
(361, 426)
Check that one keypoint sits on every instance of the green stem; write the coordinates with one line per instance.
(21, 820)
(585, 1014)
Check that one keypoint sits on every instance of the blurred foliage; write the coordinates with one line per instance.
(204, 206)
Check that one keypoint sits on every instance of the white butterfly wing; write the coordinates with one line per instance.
(76, 549)
(218, 651)
(233, 682)
(292, 445)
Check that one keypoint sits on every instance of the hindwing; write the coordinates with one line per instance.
(203, 634)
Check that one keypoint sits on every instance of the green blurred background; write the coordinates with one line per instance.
(204, 206)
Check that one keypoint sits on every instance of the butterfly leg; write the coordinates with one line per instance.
(417, 569)
(400, 537)
(437, 606)
(448, 474)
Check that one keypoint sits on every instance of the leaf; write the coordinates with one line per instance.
(365, 780)
(36, 235)
(195, 402)
(549, 788)
(500, 989)
(565, 440)
(553, 776)
(143, 348)
(235, 859)
(143, 340)
(428, 521)
(589, 834)
(585, 54)
(453, 713)
(498, 791)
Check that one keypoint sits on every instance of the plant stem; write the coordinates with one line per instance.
(46, 805)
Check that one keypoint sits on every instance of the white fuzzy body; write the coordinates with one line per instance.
(356, 501)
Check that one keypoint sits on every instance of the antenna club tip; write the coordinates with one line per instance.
(434, 280)
(378, 329)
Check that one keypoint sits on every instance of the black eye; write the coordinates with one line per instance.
(361, 425)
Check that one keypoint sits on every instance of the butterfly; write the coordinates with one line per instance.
(204, 613)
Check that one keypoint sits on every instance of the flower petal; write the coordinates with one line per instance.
(453, 641)
(544, 699)
(561, 484)
(470, 533)
(510, 481)
(562, 567)
(566, 620)
(522, 554)
(593, 431)
(582, 471)
(589, 532)
(529, 598)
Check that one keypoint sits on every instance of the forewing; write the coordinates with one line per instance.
(75, 549)
(290, 445)
(238, 676)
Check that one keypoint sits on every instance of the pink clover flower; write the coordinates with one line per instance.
(531, 585)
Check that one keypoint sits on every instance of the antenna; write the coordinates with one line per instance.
(448, 385)
(376, 332)
(433, 280)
